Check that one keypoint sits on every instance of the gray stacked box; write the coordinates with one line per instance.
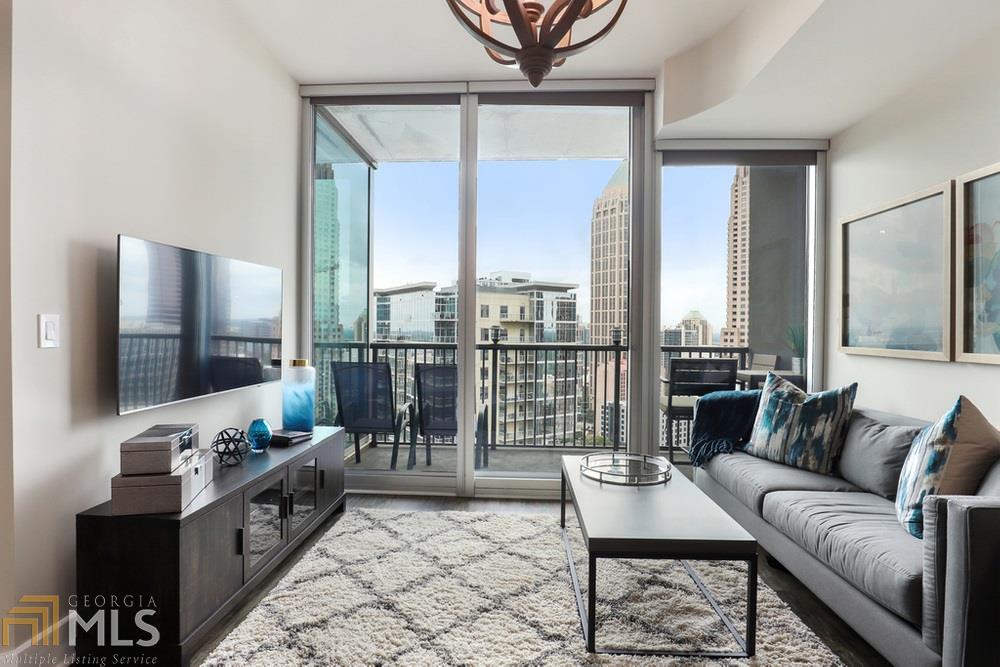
(162, 471)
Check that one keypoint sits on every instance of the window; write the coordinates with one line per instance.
(734, 257)
(503, 312)
(484, 334)
(484, 310)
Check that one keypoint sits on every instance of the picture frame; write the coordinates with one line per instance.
(977, 266)
(897, 278)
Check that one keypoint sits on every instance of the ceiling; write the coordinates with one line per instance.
(848, 59)
(363, 41)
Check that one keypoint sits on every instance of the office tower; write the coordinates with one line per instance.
(609, 258)
(736, 331)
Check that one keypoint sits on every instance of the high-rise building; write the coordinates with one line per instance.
(697, 330)
(327, 327)
(536, 389)
(736, 331)
(609, 259)
(609, 275)
(409, 312)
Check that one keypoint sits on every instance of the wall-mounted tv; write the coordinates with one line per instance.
(191, 324)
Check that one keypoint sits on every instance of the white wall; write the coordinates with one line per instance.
(6, 450)
(947, 125)
(161, 119)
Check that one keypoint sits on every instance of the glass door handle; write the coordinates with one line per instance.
(239, 541)
(291, 503)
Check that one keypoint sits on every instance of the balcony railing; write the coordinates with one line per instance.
(537, 395)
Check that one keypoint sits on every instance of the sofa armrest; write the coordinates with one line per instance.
(935, 544)
(965, 538)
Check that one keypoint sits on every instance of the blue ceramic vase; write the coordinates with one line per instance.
(259, 435)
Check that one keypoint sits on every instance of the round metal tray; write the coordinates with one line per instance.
(625, 469)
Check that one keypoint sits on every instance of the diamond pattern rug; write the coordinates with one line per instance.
(469, 588)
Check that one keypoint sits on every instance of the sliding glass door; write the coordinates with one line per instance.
(471, 257)
(408, 277)
(552, 289)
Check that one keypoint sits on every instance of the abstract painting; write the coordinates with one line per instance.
(978, 264)
(897, 278)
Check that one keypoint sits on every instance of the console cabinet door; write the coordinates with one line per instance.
(303, 495)
(211, 563)
(331, 470)
(265, 530)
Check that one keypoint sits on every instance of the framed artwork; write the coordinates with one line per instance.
(977, 266)
(897, 278)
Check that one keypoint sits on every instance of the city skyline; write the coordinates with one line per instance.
(694, 215)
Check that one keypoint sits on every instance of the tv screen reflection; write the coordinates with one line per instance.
(191, 323)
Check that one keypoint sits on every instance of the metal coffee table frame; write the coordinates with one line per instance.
(588, 610)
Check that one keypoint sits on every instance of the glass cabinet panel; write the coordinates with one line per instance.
(304, 494)
(264, 524)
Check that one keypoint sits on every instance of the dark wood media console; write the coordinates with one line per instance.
(196, 566)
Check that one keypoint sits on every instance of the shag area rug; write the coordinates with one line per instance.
(468, 588)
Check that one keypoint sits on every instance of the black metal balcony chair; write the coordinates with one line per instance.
(688, 380)
(234, 372)
(437, 408)
(366, 404)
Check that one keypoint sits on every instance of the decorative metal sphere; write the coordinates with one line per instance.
(230, 446)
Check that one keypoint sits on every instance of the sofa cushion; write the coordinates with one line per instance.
(873, 454)
(858, 537)
(991, 483)
(750, 478)
(800, 429)
(949, 457)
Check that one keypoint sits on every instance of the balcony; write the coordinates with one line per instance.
(542, 400)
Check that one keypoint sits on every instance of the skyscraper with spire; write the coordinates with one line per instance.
(736, 331)
(609, 275)
(609, 258)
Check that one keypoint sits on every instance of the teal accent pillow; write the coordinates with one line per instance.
(949, 457)
(799, 429)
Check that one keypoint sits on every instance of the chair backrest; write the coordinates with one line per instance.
(233, 372)
(437, 399)
(763, 362)
(697, 377)
(364, 396)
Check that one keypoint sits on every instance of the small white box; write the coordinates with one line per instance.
(159, 449)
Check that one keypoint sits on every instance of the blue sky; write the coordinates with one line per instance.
(535, 216)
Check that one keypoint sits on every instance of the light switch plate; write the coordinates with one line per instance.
(48, 330)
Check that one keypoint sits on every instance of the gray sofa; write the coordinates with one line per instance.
(934, 601)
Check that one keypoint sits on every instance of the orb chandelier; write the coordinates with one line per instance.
(544, 36)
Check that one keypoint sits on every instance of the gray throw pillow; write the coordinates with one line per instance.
(874, 453)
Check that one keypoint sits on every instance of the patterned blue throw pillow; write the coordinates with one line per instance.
(949, 457)
(799, 429)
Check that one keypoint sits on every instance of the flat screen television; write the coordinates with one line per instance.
(192, 324)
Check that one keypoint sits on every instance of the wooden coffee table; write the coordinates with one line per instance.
(671, 521)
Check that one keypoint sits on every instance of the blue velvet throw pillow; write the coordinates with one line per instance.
(949, 457)
(799, 429)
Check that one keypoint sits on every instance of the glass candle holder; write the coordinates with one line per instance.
(298, 390)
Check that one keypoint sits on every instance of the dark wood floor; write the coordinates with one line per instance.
(846, 643)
